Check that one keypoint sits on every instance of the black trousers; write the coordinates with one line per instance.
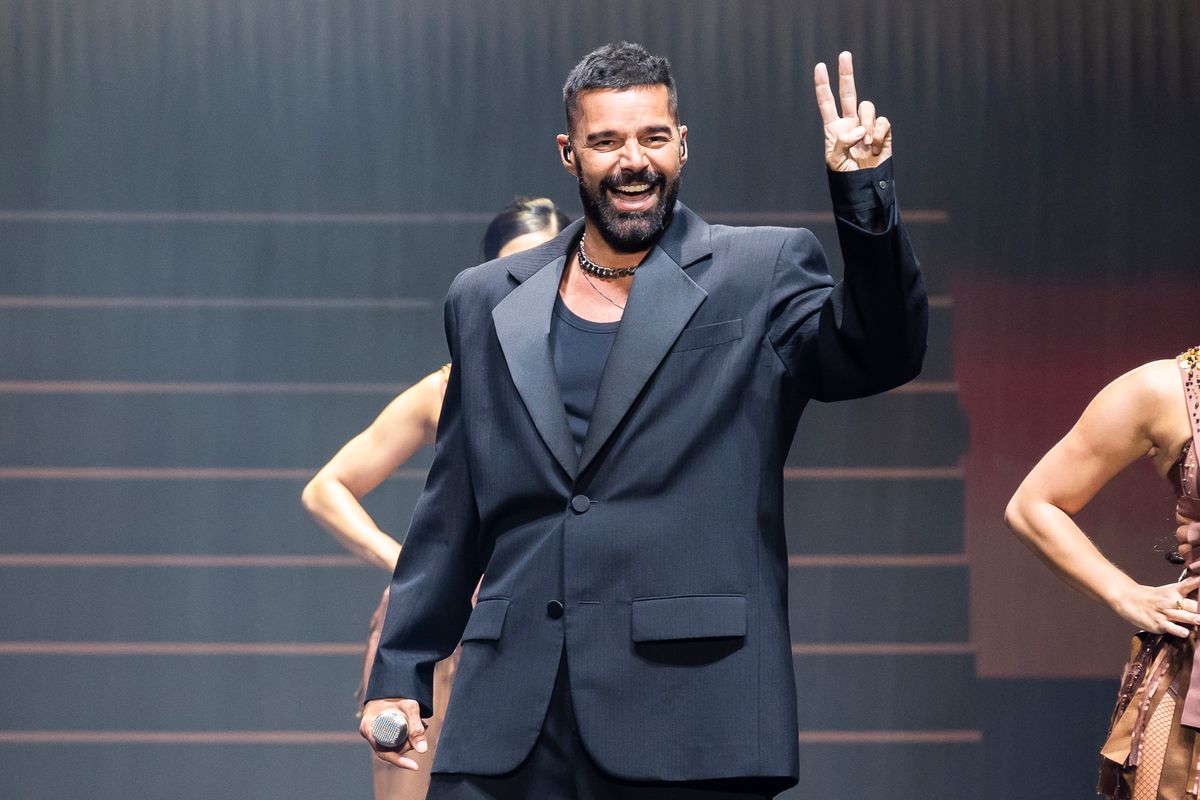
(559, 768)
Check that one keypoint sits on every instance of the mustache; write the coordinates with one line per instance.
(648, 175)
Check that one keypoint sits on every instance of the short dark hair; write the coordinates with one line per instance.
(622, 65)
(523, 215)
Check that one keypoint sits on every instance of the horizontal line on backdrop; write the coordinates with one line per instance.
(891, 737)
(883, 649)
(927, 387)
(251, 217)
(167, 387)
(925, 216)
(25, 648)
(872, 473)
(934, 216)
(282, 303)
(349, 737)
(90, 560)
(250, 387)
(291, 474)
(181, 648)
(180, 737)
(260, 560)
(874, 560)
(172, 473)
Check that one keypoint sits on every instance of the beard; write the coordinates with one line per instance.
(630, 232)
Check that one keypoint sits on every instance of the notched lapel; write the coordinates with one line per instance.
(662, 300)
(522, 321)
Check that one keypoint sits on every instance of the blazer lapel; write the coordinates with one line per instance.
(522, 321)
(661, 301)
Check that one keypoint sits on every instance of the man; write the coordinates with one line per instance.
(611, 451)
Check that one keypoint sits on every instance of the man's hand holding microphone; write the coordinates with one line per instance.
(394, 726)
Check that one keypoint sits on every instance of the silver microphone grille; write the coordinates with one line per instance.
(390, 729)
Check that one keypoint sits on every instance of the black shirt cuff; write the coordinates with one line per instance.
(864, 197)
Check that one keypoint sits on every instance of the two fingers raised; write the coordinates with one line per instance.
(846, 90)
(868, 130)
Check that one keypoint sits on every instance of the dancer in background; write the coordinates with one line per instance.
(404, 426)
(1153, 411)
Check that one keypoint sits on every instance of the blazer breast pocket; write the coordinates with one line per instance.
(708, 335)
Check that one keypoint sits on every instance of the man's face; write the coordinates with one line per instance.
(628, 153)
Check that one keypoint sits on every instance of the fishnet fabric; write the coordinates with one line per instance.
(1154, 748)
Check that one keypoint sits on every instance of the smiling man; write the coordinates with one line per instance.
(610, 454)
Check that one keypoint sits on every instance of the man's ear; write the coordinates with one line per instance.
(682, 145)
(566, 153)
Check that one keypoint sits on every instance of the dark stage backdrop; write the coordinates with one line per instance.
(225, 232)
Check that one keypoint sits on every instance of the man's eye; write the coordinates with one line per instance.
(655, 141)
(605, 144)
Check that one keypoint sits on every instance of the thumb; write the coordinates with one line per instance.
(416, 727)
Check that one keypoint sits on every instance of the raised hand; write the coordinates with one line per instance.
(855, 138)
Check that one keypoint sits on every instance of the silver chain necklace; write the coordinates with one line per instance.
(608, 273)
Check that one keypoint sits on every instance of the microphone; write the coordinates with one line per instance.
(390, 730)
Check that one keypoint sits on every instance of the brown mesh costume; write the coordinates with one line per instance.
(1151, 752)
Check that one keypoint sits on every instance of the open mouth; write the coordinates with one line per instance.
(633, 196)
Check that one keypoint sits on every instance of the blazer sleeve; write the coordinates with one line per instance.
(867, 333)
(439, 563)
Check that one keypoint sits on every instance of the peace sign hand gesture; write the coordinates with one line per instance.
(856, 138)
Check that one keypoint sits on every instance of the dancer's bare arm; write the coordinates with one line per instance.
(332, 496)
(1139, 414)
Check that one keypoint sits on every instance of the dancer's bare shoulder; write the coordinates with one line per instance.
(1151, 396)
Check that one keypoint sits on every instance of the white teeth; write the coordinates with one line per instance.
(635, 188)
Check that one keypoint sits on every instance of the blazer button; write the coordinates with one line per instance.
(580, 503)
(554, 609)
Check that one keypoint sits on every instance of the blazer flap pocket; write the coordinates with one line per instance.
(708, 335)
(487, 620)
(698, 616)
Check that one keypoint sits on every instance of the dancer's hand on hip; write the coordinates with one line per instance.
(1160, 609)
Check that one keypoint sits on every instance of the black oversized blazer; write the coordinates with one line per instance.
(663, 541)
